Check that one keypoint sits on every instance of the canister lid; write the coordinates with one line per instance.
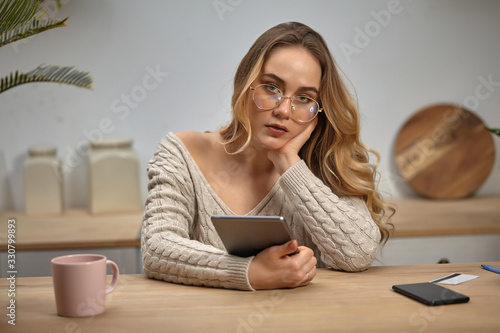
(112, 143)
(42, 150)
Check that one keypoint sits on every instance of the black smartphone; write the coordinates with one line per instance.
(430, 293)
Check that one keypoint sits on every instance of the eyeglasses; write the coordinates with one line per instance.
(268, 97)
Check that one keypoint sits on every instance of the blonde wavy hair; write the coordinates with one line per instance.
(334, 152)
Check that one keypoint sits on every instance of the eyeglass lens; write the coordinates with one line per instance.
(268, 97)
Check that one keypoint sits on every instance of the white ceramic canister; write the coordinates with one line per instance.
(114, 177)
(43, 184)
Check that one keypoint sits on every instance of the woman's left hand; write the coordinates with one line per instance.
(288, 155)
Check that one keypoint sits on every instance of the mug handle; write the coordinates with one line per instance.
(116, 272)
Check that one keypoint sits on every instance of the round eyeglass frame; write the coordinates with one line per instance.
(281, 100)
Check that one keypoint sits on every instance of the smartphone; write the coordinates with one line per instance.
(430, 293)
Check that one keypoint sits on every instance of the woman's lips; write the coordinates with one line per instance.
(276, 130)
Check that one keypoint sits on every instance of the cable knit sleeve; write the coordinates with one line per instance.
(168, 251)
(341, 227)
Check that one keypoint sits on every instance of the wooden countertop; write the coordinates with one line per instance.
(72, 230)
(423, 217)
(334, 301)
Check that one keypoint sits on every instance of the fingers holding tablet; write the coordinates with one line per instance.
(279, 262)
(273, 268)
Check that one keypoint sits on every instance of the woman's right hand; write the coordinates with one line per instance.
(274, 268)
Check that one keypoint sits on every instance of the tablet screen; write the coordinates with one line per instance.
(246, 236)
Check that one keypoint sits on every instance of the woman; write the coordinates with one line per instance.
(291, 149)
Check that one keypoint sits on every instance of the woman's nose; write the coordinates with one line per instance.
(284, 109)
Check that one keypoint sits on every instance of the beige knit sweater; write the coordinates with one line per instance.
(180, 244)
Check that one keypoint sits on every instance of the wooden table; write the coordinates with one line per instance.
(334, 301)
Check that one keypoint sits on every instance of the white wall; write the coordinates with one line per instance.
(426, 52)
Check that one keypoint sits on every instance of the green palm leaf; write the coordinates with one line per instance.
(16, 12)
(66, 75)
(494, 130)
(31, 28)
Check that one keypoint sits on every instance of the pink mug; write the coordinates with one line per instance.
(80, 284)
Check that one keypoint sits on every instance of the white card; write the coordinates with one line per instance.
(455, 278)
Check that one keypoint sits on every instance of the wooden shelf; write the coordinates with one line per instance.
(74, 229)
(80, 229)
(423, 217)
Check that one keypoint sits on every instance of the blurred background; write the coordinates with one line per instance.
(161, 66)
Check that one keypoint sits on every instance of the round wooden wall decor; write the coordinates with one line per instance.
(444, 152)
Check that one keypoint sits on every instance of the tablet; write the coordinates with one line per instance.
(430, 293)
(246, 236)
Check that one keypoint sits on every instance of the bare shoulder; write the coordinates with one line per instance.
(189, 136)
(197, 143)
